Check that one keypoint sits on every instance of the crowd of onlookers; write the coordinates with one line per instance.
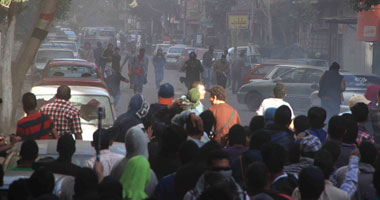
(177, 149)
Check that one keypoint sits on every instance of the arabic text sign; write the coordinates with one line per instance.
(237, 21)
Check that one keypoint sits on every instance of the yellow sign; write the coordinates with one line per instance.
(6, 3)
(237, 21)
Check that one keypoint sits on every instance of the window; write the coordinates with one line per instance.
(280, 71)
(175, 50)
(360, 80)
(313, 75)
(72, 71)
(45, 56)
(294, 76)
(262, 71)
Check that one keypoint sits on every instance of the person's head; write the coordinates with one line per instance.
(368, 152)
(110, 46)
(136, 142)
(208, 120)
(273, 156)
(359, 98)
(336, 128)
(334, 67)
(217, 95)
(105, 139)
(29, 102)
(188, 151)
(166, 94)
(110, 189)
(99, 44)
(159, 51)
(311, 183)
(211, 49)
(279, 91)
(333, 148)
(117, 50)
(218, 160)
(192, 130)
(236, 135)
(257, 179)
(283, 116)
(66, 146)
(192, 55)
(86, 183)
(242, 54)
(371, 93)
(317, 117)
(301, 123)
(19, 189)
(193, 98)
(257, 123)
(41, 182)
(324, 160)
(201, 88)
(29, 151)
(171, 139)
(87, 45)
(63, 92)
(360, 112)
(269, 116)
(141, 52)
(258, 139)
(351, 132)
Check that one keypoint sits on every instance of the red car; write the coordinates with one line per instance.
(72, 72)
(260, 70)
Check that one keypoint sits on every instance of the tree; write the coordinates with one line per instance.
(360, 5)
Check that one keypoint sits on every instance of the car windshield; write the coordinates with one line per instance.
(77, 159)
(175, 50)
(87, 105)
(70, 46)
(106, 33)
(164, 47)
(360, 81)
(262, 71)
(72, 71)
(46, 55)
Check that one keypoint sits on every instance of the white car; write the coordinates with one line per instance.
(87, 99)
(67, 44)
(44, 55)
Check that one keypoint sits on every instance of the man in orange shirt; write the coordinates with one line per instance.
(225, 115)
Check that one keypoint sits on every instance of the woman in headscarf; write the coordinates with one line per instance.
(136, 178)
(192, 101)
(269, 117)
(138, 108)
(371, 94)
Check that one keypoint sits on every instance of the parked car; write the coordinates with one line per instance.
(200, 52)
(173, 55)
(266, 70)
(355, 84)
(64, 184)
(66, 44)
(253, 56)
(87, 99)
(313, 62)
(44, 55)
(72, 72)
(164, 47)
(298, 83)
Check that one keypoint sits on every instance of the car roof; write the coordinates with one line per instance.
(61, 41)
(54, 49)
(358, 74)
(75, 90)
(70, 59)
(302, 66)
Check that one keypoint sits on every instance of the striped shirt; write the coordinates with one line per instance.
(36, 126)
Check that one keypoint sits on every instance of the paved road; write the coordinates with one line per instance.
(172, 76)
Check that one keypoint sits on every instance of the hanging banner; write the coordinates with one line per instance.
(6, 3)
(368, 25)
(237, 21)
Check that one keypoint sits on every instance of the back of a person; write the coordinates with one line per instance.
(282, 138)
(331, 85)
(272, 103)
(331, 193)
(223, 114)
(344, 156)
(61, 112)
(36, 126)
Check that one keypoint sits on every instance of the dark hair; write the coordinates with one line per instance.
(171, 139)
(360, 112)
(273, 156)
(317, 117)
(188, 151)
(351, 126)
(105, 139)
(376, 179)
(258, 139)
(219, 92)
(368, 152)
(29, 150)
(257, 123)
(336, 128)
(86, 183)
(66, 146)
(301, 123)
(110, 189)
(29, 101)
(333, 148)
(324, 160)
(208, 120)
(279, 90)
(41, 182)
(19, 190)
(236, 135)
(192, 130)
(257, 178)
(223, 190)
(311, 182)
(216, 155)
(63, 92)
(335, 66)
(283, 116)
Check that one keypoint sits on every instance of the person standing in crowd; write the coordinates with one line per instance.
(113, 77)
(65, 116)
(28, 155)
(129, 58)
(371, 95)
(360, 113)
(159, 63)
(316, 117)
(139, 69)
(225, 115)
(207, 66)
(237, 68)
(97, 54)
(193, 69)
(87, 53)
(106, 57)
(222, 70)
(35, 125)
(331, 86)
(374, 113)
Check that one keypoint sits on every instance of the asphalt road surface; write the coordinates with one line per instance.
(172, 77)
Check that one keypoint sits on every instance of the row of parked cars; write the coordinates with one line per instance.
(301, 82)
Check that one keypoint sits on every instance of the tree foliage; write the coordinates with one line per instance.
(360, 5)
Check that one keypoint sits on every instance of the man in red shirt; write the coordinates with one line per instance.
(65, 116)
(35, 125)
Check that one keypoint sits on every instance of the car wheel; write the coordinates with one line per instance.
(253, 100)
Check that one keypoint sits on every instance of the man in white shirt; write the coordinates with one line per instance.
(107, 158)
(279, 92)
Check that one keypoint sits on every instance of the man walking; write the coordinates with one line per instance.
(97, 53)
(106, 57)
(331, 86)
(65, 116)
(193, 69)
(237, 67)
(222, 69)
(207, 65)
(159, 63)
(139, 69)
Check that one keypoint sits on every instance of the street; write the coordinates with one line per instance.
(172, 77)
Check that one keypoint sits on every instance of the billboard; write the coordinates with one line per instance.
(368, 28)
(192, 11)
(237, 21)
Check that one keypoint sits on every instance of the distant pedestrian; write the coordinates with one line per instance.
(237, 69)
(222, 70)
(87, 53)
(106, 58)
(331, 86)
(159, 63)
(139, 69)
(97, 53)
(193, 69)
(129, 58)
(207, 66)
